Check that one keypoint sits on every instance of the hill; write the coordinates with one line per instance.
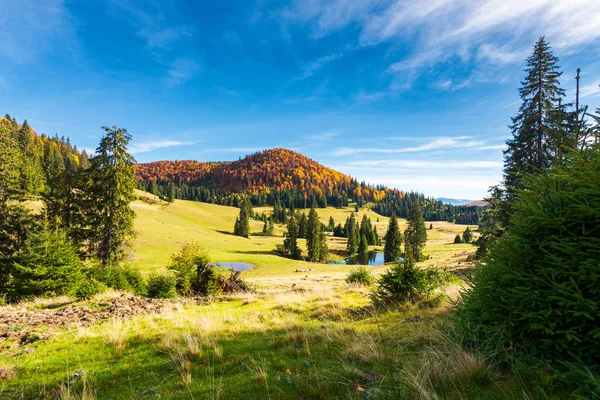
(477, 203)
(284, 177)
(270, 170)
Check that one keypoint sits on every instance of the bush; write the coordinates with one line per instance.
(540, 285)
(88, 288)
(188, 266)
(407, 282)
(120, 278)
(162, 287)
(361, 276)
(457, 239)
(48, 265)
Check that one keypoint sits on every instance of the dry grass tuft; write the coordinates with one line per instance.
(183, 365)
(365, 347)
(446, 368)
(80, 391)
(192, 345)
(7, 372)
(115, 333)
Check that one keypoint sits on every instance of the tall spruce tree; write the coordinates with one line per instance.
(112, 173)
(415, 235)
(242, 223)
(290, 243)
(315, 238)
(529, 150)
(393, 241)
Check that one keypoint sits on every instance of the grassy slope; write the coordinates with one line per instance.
(299, 335)
(163, 228)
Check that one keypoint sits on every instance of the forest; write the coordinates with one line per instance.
(289, 179)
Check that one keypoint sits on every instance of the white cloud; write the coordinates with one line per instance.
(151, 145)
(440, 143)
(29, 27)
(181, 70)
(428, 164)
(324, 136)
(445, 29)
(591, 90)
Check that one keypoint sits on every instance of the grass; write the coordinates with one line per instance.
(298, 335)
(162, 228)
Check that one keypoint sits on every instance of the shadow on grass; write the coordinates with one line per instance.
(257, 252)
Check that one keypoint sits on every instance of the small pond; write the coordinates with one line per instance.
(236, 266)
(372, 258)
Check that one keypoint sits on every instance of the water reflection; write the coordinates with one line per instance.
(371, 258)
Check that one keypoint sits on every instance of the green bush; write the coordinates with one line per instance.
(539, 287)
(407, 282)
(457, 239)
(162, 287)
(88, 288)
(120, 278)
(210, 281)
(361, 276)
(188, 266)
(47, 265)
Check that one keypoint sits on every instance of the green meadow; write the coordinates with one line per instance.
(296, 335)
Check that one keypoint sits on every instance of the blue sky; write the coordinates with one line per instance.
(414, 95)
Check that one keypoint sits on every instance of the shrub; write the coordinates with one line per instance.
(88, 288)
(188, 266)
(457, 239)
(120, 278)
(407, 282)
(48, 265)
(361, 276)
(162, 287)
(540, 285)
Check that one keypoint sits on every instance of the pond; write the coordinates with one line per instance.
(235, 266)
(373, 258)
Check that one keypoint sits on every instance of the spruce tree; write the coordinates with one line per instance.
(316, 242)
(457, 239)
(415, 235)
(112, 173)
(48, 265)
(242, 223)
(528, 151)
(467, 235)
(302, 226)
(290, 243)
(393, 240)
(363, 246)
(331, 226)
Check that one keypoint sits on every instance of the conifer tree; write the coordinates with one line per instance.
(467, 235)
(112, 173)
(316, 242)
(528, 151)
(242, 223)
(290, 243)
(363, 246)
(331, 226)
(302, 226)
(393, 240)
(415, 235)
(171, 192)
(457, 239)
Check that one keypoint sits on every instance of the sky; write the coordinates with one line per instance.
(414, 95)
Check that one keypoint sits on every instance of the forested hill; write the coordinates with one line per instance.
(284, 177)
(276, 169)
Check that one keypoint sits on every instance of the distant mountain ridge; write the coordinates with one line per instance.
(454, 202)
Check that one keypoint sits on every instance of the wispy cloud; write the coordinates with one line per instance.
(441, 143)
(591, 90)
(455, 29)
(29, 27)
(428, 164)
(151, 145)
(181, 70)
(151, 22)
(324, 136)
